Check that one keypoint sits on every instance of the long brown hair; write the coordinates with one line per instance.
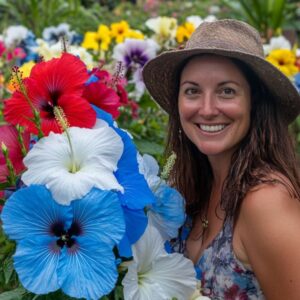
(267, 148)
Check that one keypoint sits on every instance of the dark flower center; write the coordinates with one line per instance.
(136, 57)
(49, 105)
(65, 238)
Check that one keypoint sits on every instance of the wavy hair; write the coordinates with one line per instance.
(266, 149)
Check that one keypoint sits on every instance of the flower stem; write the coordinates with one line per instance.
(20, 130)
(11, 177)
(63, 122)
(36, 113)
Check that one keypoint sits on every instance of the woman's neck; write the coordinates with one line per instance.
(220, 168)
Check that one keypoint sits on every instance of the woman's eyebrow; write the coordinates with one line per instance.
(229, 81)
(189, 82)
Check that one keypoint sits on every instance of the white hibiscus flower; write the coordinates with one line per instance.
(71, 176)
(155, 274)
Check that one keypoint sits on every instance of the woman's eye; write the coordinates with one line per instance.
(227, 92)
(191, 91)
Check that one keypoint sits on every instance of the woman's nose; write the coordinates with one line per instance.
(208, 106)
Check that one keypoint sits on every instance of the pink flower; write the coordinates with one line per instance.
(9, 136)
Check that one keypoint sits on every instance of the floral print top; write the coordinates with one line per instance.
(222, 275)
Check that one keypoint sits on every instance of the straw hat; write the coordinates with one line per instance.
(230, 38)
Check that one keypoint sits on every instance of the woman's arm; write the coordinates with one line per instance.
(269, 228)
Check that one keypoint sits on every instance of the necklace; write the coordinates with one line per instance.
(204, 223)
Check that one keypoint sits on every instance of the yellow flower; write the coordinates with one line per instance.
(184, 32)
(99, 40)
(25, 70)
(284, 60)
(120, 31)
(135, 34)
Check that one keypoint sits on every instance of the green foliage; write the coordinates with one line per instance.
(8, 277)
(268, 16)
(149, 129)
(38, 14)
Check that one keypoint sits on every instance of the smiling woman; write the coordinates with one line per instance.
(236, 166)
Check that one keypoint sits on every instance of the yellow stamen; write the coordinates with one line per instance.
(64, 124)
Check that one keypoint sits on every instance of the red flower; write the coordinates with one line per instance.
(9, 136)
(104, 97)
(58, 82)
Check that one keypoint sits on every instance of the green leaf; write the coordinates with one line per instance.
(277, 13)
(8, 268)
(16, 294)
(152, 148)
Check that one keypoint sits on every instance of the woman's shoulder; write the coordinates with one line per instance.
(268, 227)
(272, 198)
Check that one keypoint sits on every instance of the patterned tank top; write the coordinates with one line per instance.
(222, 275)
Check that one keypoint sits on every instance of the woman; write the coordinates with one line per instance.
(236, 167)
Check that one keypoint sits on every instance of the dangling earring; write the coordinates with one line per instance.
(180, 135)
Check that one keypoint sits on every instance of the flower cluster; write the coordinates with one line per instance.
(280, 53)
(79, 197)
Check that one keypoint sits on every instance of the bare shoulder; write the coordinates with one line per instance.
(268, 199)
(269, 228)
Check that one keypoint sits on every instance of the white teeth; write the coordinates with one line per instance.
(212, 128)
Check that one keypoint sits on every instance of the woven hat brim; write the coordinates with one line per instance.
(161, 77)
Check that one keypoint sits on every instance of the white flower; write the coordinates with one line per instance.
(95, 156)
(195, 20)
(48, 52)
(165, 29)
(134, 53)
(279, 42)
(149, 167)
(155, 274)
(14, 35)
(139, 89)
(53, 34)
(210, 18)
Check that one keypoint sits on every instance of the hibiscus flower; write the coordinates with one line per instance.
(106, 92)
(9, 136)
(58, 82)
(67, 247)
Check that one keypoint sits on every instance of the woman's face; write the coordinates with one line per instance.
(214, 104)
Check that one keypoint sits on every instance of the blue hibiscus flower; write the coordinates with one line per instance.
(67, 247)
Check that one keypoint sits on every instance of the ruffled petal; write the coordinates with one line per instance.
(31, 211)
(90, 272)
(100, 216)
(172, 275)
(136, 223)
(36, 261)
(167, 214)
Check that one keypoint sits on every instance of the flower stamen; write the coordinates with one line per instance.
(64, 124)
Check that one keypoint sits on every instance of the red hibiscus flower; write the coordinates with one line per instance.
(101, 95)
(9, 136)
(58, 82)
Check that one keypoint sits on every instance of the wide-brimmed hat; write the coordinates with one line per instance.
(229, 38)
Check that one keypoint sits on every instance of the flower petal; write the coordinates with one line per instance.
(172, 275)
(136, 223)
(175, 274)
(100, 216)
(167, 214)
(89, 272)
(36, 264)
(31, 212)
